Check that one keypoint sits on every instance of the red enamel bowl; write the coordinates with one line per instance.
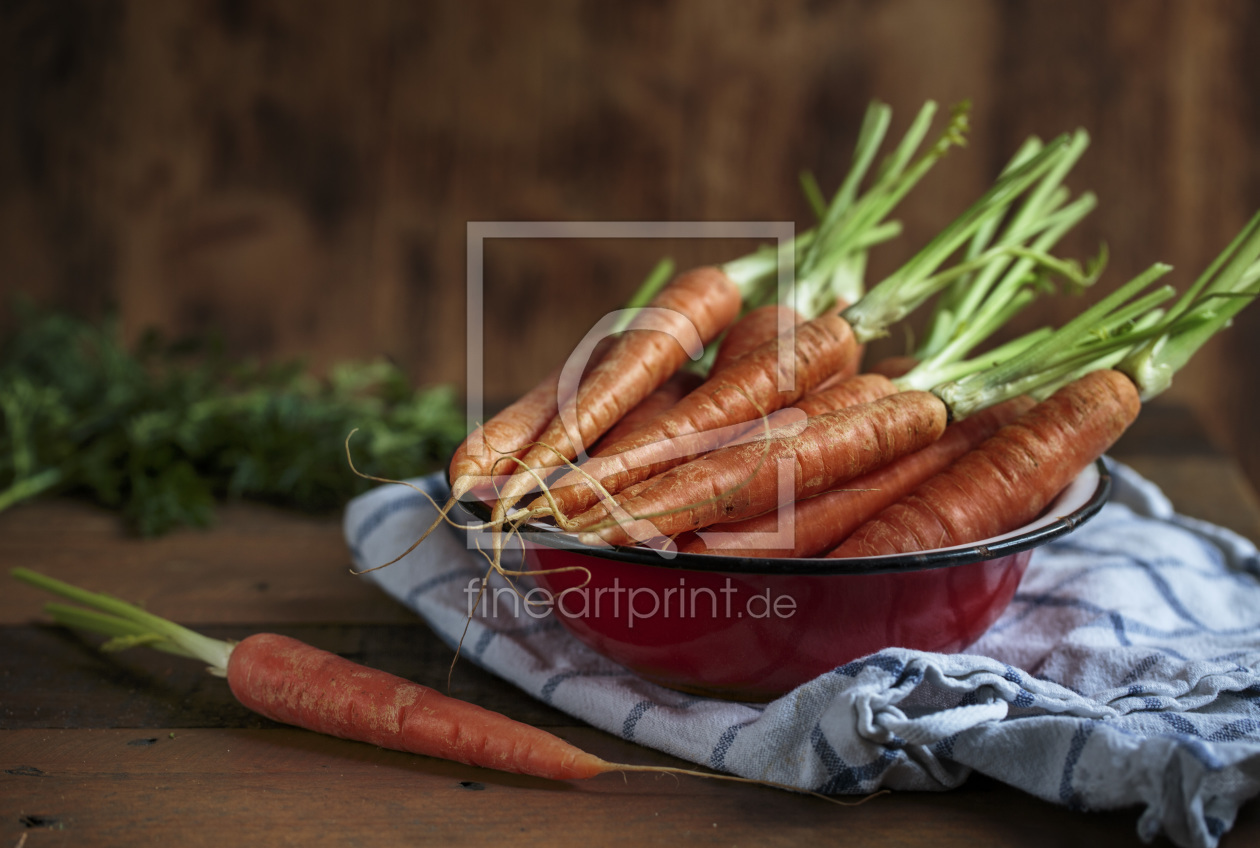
(752, 629)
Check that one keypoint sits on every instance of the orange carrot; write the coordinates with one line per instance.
(1011, 477)
(820, 523)
(744, 390)
(507, 433)
(697, 304)
(891, 300)
(741, 481)
(858, 388)
(294, 683)
(677, 387)
(753, 330)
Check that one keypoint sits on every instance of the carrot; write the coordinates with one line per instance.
(835, 251)
(625, 463)
(858, 388)
(696, 305)
(515, 428)
(683, 383)
(743, 480)
(754, 329)
(508, 433)
(820, 523)
(829, 264)
(478, 462)
(749, 387)
(1094, 373)
(294, 683)
(1009, 478)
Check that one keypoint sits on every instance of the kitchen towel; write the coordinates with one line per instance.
(1124, 673)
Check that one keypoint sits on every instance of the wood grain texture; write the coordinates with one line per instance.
(287, 787)
(257, 564)
(300, 176)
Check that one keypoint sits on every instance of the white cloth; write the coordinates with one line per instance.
(1123, 673)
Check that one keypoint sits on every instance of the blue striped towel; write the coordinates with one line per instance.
(1123, 674)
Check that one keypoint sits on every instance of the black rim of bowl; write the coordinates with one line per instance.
(821, 566)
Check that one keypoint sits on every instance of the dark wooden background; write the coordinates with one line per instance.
(299, 175)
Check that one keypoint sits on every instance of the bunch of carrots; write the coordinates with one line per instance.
(781, 423)
(724, 395)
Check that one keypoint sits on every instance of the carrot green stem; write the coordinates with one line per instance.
(834, 262)
(123, 633)
(985, 303)
(917, 280)
(1128, 330)
(927, 375)
(1116, 323)
(29, 487)
(653, 283)
(1224, 288)
(829, 261)
(122, 619)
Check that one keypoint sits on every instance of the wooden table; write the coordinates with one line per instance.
(142, 748)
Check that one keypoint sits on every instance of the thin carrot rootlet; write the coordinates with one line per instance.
(291, 682)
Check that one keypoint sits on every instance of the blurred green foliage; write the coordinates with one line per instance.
(165, 431)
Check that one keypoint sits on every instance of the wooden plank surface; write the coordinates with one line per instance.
(146, 749)
(286, 787)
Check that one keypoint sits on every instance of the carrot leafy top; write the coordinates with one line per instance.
(1210, 304)
(828, 261)
(126, 624)
(1130, 330)
(1007, 252)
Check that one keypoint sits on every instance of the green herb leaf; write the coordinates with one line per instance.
(165, 431)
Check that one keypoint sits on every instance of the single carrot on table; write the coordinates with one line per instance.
(298, 684)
